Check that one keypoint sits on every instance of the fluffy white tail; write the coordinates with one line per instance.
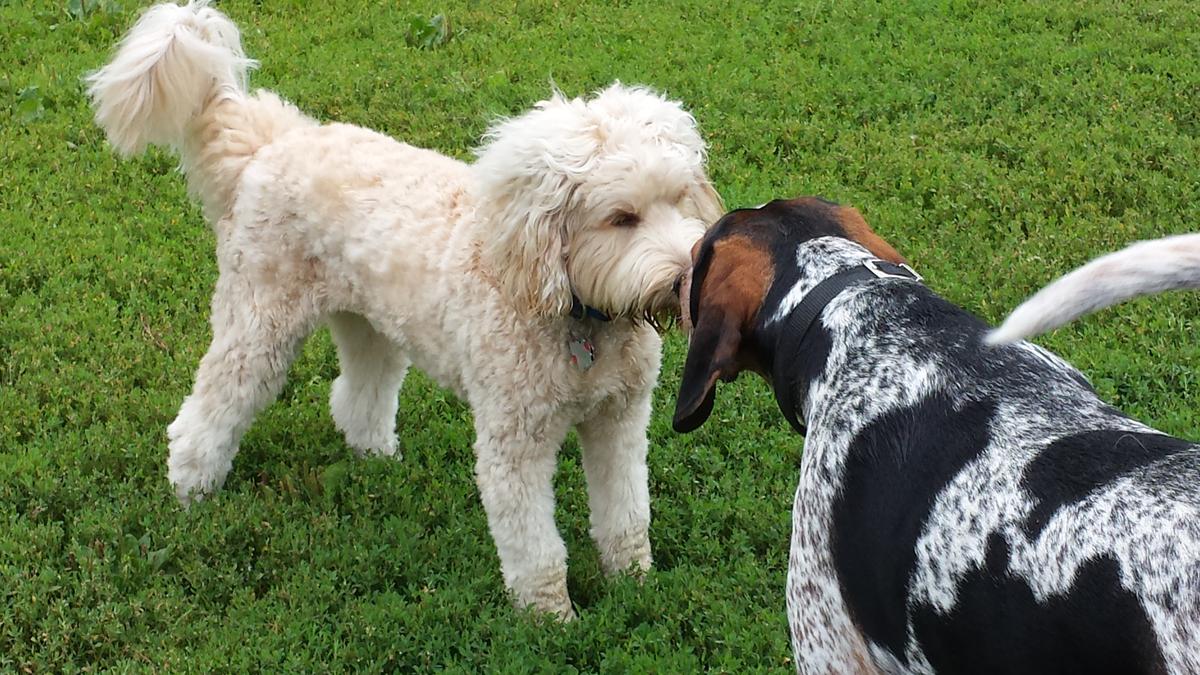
(171, 64)
(1141, 269)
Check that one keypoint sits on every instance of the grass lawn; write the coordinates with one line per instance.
(997, 144)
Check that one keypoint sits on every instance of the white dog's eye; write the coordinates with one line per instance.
(625, 219)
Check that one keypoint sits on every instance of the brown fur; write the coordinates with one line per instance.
(858, 230)
(739, 278)
(733, 290)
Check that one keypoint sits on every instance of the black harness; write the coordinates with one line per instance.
(789, 392)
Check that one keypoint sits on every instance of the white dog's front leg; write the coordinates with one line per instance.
(614, 461)
(515, 474)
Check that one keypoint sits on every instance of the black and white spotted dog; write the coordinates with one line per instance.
(961, 508)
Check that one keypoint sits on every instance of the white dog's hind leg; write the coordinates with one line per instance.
(254, 342)
(364, 398)
(614, 462)
(515, 474)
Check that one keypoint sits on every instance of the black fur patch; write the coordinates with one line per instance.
(894, 469)
(998, 627)
(802, 365)
(1073, 466)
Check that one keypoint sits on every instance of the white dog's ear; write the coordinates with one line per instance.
(523, 202)
(707, 203)
(525, 245)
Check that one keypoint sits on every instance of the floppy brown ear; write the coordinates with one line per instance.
(712, 355)
(858, 230)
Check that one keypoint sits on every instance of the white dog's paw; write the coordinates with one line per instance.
(545, 592)
(566, 613)
(368, 422)
(626, 553)
(368, 445)
(191, 483)
(195, 468)
(553, 601)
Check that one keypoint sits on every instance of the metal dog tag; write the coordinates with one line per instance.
(583, 352)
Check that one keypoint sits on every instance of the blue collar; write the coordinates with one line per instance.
(581, 311)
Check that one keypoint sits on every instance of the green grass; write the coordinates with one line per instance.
(996, 144)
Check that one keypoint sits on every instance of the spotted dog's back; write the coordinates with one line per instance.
(991, 511)
(961, 507)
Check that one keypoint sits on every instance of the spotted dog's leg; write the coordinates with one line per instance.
(824, 638)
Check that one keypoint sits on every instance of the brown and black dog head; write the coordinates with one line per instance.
(734, 268)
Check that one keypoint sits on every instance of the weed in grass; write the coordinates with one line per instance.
(428, 33)
(80, 9)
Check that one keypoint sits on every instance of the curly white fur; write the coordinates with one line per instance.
(415, 258)
(1141, 269)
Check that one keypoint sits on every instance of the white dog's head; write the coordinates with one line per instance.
(602, 197)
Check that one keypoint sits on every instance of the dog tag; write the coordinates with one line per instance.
(583, 352)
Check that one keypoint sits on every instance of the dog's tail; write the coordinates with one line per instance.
(167, 69)
(1143, 268)
(179, 79)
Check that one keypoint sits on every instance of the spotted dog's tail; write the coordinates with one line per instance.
(1143, 268)
(178, 79)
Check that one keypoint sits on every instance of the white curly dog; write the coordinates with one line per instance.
(522, 283)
